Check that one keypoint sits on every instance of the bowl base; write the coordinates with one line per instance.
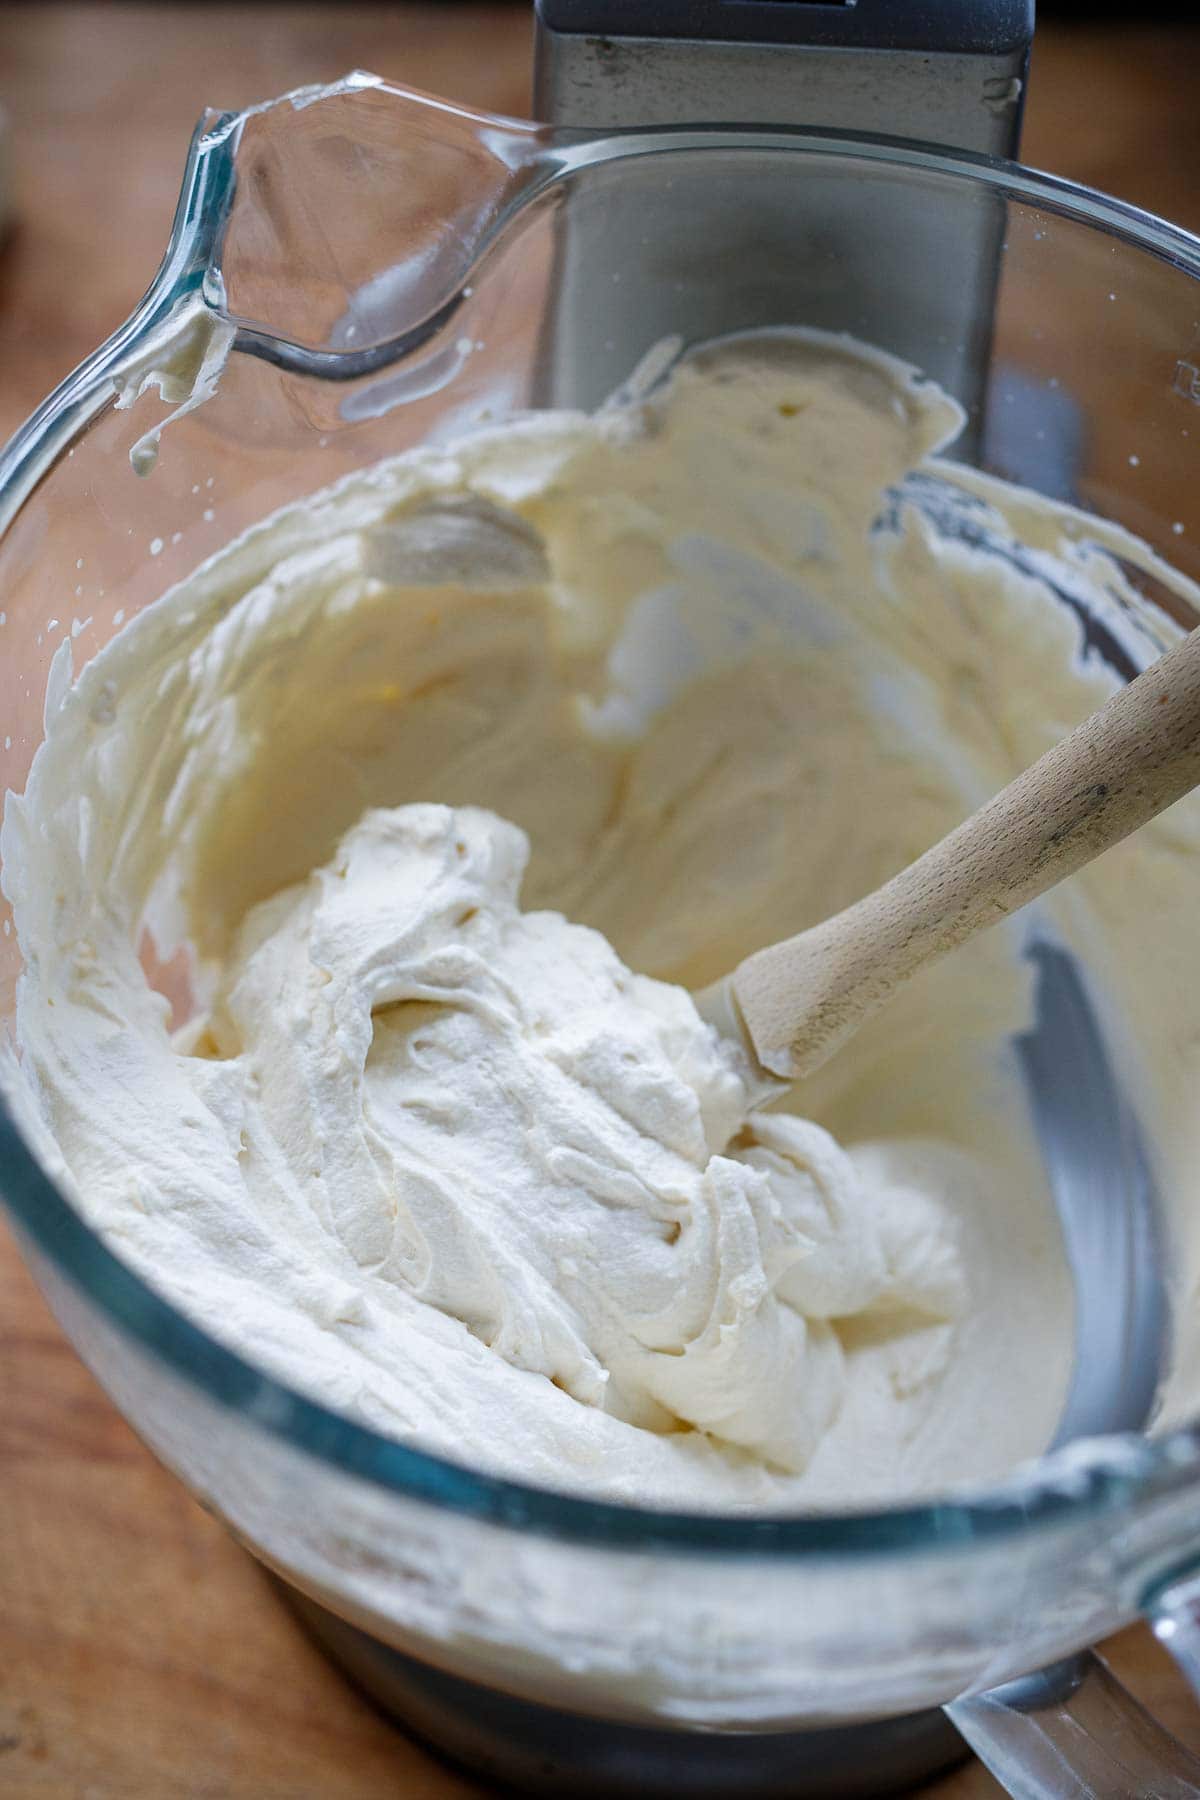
(543, 1750)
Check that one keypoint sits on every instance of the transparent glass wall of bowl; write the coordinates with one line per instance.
(1093, 392)
(96, 542)
(766, 1639)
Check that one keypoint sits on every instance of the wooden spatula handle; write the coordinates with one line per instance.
(802, 998)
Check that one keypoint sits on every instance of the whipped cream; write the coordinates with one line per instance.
(678, 680)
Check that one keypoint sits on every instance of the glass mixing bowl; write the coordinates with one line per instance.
(355, 269)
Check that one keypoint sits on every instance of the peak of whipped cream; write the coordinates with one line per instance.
(484, 1109)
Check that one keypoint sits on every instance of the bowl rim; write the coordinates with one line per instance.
(1105, 1477)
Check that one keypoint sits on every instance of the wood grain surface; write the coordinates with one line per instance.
(142, 1655)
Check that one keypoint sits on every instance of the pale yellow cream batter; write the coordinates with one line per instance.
(440, 1143)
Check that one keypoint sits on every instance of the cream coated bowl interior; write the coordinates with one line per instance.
(911, 634)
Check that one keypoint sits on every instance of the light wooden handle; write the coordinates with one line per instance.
(801, 999)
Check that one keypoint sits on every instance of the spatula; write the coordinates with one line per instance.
(796, 1002)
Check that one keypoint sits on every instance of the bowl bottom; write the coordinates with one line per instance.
(534, 1749)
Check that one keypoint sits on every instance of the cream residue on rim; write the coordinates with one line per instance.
(721, 673)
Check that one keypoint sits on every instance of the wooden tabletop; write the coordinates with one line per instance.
(142, 1655)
